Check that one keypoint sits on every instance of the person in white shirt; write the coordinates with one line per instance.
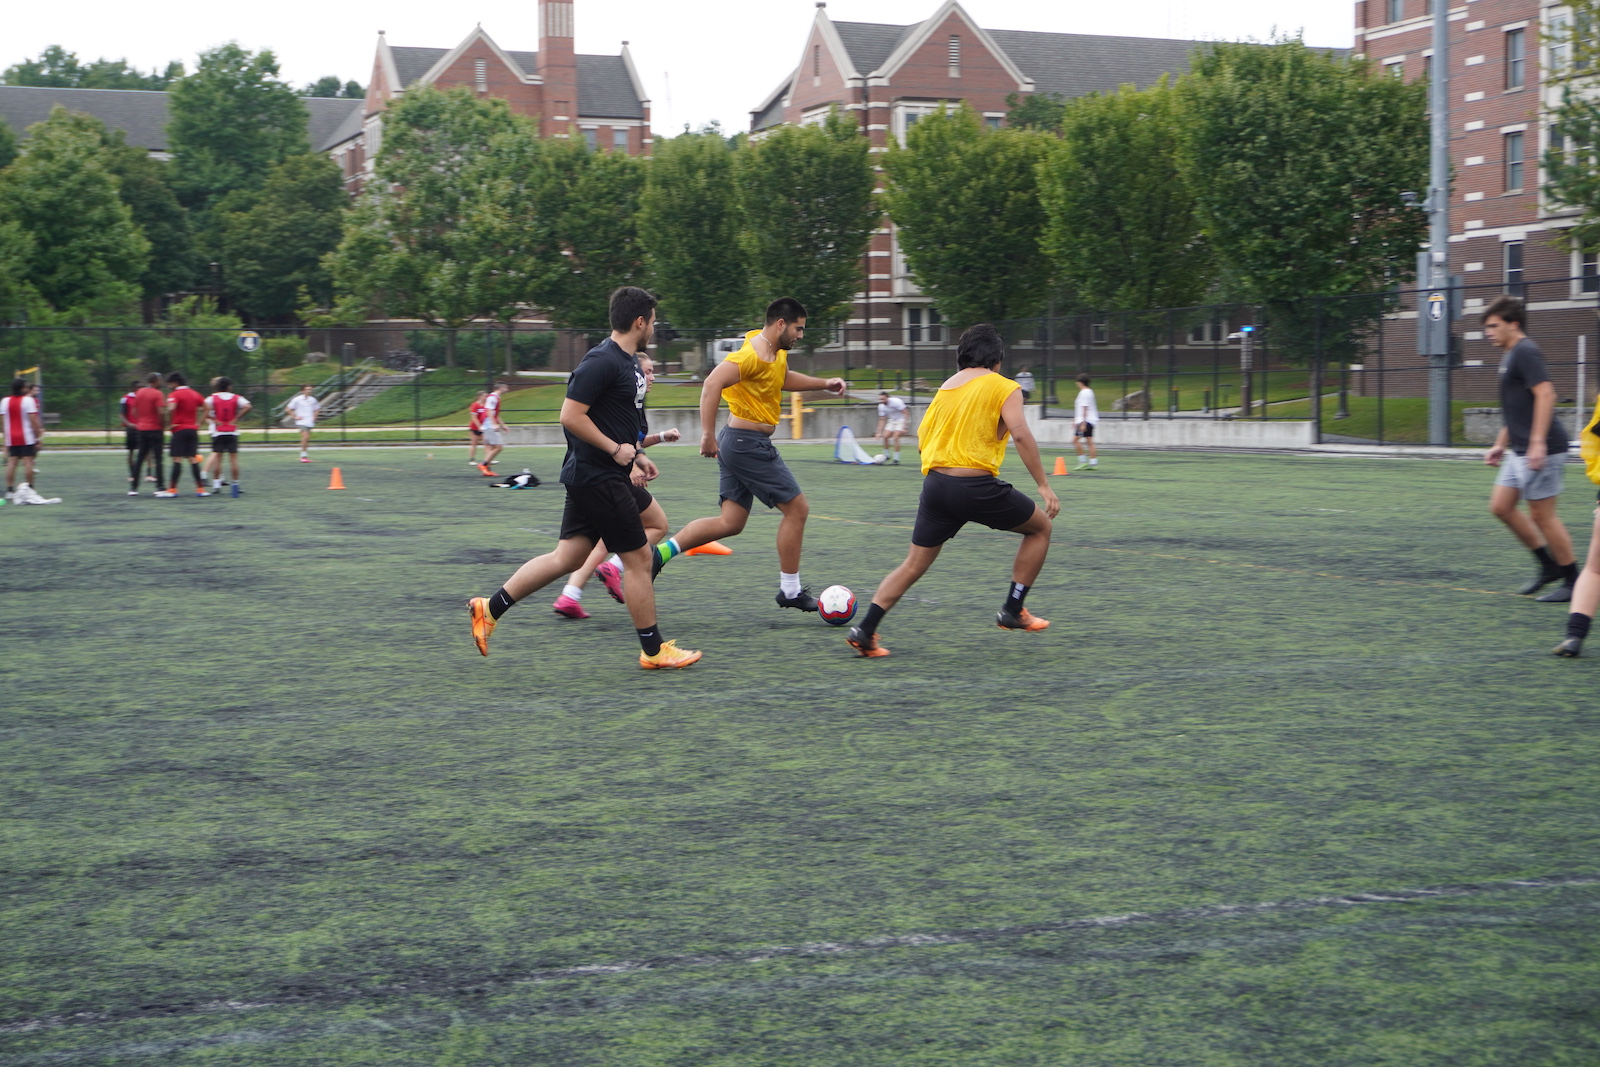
(304, 408)
(23, 429)
(891, 423)
(494, 428)
(1085, 417)
(1024, 379)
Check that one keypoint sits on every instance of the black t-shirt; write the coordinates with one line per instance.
(610, 382)
(1521, 369)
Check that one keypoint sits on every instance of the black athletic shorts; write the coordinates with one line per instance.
(949, 503)
(608, 511)
(22, 451)
(130, 440)
(225, 442)
(185, 444)
(1086, 432)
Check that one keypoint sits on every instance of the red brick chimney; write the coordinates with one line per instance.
(558, 67)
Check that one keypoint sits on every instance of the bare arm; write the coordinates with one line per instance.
(726, 374)
(1544, 409)
(794, 382)
(1498, 449)
(576, 421)
(1016, 421)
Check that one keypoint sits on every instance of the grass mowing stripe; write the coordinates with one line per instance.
(831, 948)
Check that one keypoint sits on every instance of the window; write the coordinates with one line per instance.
(619, 138)
(924, 325)
(1396, 10)
(482, 74)
(1589, 272)
(993, 121)
(1209, 332)
(1099, 333)
(1516, 58)
(1513, 254)
(955, 51)
(561, 109)
(1395, 68)
(1514, 162)
(591, 137)
(907, 116)
(816, 61)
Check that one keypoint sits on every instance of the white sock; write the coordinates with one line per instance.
(572, 591)
(615, 561)
(302, 454)
(1094, 462)
(789, 583)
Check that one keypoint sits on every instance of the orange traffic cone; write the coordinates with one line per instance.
(710, 548)
(336, 482)
(1061, 465)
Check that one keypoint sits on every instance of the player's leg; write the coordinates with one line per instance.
(529, 578)
(1503, 500)
(791, 539)
(1094, 455)
(1544, 514)
(11, 473)
(729, 522)
(570, 602)
(1585, 597)
(28, 474)
(305, 444)
(1024, 572)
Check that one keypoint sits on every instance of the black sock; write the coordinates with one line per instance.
(1569, 573)
(1546, 560)
(875, 614)
(1014, 599)
(199, 479)
(1578, 626)
(650, 640)
(500, 603)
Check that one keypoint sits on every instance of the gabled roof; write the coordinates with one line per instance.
(870, 44)
(770, 113)
(1074, 64)
(143, 115)
(348, 127)
(412, 63)
(606, 86)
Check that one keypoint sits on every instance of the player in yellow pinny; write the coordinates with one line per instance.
(753, 381)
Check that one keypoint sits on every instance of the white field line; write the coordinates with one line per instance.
(1202, 913)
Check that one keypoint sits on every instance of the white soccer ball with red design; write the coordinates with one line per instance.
(836, 605)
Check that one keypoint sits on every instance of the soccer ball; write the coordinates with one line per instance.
(836, 605)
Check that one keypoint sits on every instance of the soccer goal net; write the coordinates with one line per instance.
(846, 450)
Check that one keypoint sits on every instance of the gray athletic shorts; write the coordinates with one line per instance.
(493, 437)
(1532, 484)
(751, 467)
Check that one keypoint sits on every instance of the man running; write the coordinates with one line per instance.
(1530, 451)
(891, 423)
(493, 428)
(304, 407)
(224, 409)
(475, 426)
(753, 381)
(600, 418)
(963, 442)
(654, 517)
(23, 429)
(1085, 417)
(148, 410)
(183, 409)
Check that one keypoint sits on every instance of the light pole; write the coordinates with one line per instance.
(1433, 270)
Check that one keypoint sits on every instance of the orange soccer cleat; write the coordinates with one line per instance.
(482, 622)
(866, 644)
(1022, 620)
(671, 657)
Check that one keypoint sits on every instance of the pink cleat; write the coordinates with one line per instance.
(608, 573)
(565, 605)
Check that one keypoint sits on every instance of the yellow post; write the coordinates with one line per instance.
(797, 416)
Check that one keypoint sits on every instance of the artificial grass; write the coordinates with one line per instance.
(267, 806)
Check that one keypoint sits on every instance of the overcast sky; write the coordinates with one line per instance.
(700, 59)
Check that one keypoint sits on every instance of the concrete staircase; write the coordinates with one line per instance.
(360, 391)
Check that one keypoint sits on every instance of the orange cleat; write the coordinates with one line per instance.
(671, 657)
(1022, 620)
(482, 622)
(484, 470)
(865, 644)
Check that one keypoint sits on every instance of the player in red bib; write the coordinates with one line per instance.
(475, 426)
(22, 428)
(224, 409)
(183, 407)
(148, 413)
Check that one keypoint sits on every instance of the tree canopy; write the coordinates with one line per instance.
(1571, 161)
(273, 245)
(328, 85)
(689, 224)
(57, 68)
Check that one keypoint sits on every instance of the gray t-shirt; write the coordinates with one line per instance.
(1521, 369)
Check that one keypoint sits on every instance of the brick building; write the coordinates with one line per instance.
(890, 76)
(598, 98)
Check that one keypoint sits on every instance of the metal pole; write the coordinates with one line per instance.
(1438, 338)
(1583, 402)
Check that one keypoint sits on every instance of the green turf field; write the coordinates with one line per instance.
(1292, 780)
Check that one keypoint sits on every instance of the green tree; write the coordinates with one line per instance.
(8, 145)
(585, 221)
(966, 201)
(406, 251)
(1571, 162)
(1122, 226)
(87, 254)
(689, 225)
(809, 213)
(233, 120)
(1036, 111)
(16, 252)
(328, 85)
(273, 246)
(145, 185)
(57, 68)
(1297, 159)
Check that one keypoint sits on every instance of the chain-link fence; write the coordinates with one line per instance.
(1348, 364)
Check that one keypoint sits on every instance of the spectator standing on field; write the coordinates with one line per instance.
(183, 411)
(23, 429)
(1085, 417)
(1530, 451)
(148, 410)
(1024, 379)
(304, 408)
(494, 429)
(224, 409)
(891, 423)
(475, 426)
